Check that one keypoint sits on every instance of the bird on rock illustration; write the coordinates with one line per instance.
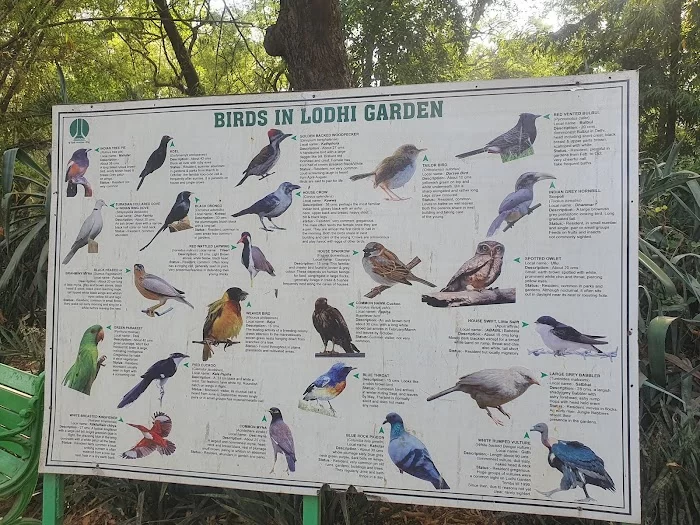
(480, 271)
(253, 258)
(517, 204)
(395, 171)
(264, 161)
(328, 386)
(579, 465)
(178, 212)
(156, 160)
(514, 141)
(75, 173)
(156, 289)
(224, 321)
(563, 339)
(153, 438)
(331, 326)
(494, 387)
(410, 455)
(91, 228)
(384, 267)
(161, 371)
(83, 373)
(272, 205)
(282, 440)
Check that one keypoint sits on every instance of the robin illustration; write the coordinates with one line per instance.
(153, 438)
(264, 161)
(480, 271)
(75, 173)
(178, 212)
(394, 171)
(514, 141)
(253, 258)
(384, 267)
(156, 159)
(156, 289)
(224, 321)
(91, 228)
(272, 205)
(331, 326)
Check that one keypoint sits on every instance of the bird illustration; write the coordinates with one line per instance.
(153, 438)
(253, 258)
(579, 465)
(162, 371)
(282, 440)
(156, 289)
(178, 212)
(562, 338)
(410, 455)
(272, 205)
(384, 267)
(91, 228)
(224, 321)
(331, 326)
(481, 270)
(82, 374)
(514, 141)
(517, 204)
(494, 387)
(328, 386)
(394, 171)
(156, 159)
(264, 161)
(75, 173)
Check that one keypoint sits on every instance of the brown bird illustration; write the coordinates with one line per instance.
(156, 289)
(386, 268)
(394, 171)
(331, 326)
(481, 270)
(224, 321)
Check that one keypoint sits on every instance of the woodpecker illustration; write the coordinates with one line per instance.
(153, 438)
(161, 370)
(267, 158)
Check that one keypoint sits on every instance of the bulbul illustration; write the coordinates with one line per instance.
(253, 258)
(224, 321)
(178, 212)
(264, 161)
(156, 159)
(156, 289)
(75, 173)
(161, 371)
(328, 386)
(384, 267)
(394, 171)
(91, 228)
(272, 205)
(282, 440)
(562, 338)
(517, 204)
(480, 271)
(153, 438)
(514, 141)
(82, 374)
(331, 326)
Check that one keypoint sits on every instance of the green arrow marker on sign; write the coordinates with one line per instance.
(355, 252)
(525, 324)
(294, 137)
(121, 420)
(187, 365)
(543, 375)
(196, 200)
(97, 150)
(298, 194)
(517, 259)
(248, 305)
(381, 430)
(172, 144)
(551, 185)
(357, 376)
(352, 304)
(425, 158)
(109, 327)
(233, 246)
(112, 205)
(264, 419)
(127, 270)
(546, 116)
(527, 436)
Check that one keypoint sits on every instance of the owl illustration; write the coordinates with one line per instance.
(481, 270)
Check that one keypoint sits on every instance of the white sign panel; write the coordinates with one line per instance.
(427, 292)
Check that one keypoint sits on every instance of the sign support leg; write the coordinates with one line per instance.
(311, 510)
(53, 504)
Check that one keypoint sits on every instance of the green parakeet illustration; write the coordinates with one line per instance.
(82, 374)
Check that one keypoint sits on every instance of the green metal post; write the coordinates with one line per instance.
(53, 500)
(311, 510)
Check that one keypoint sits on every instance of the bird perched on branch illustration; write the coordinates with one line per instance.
(564, 339)
(264, 161)
(156, 159)
(177, 213)
(282, 440)
(153, 438)
(384, 267)
(515, 141)
(272, 205)
(517, 204)
(161, 371)
(331, 326)
(75, 173)
(224, 321)
(480, 271)
(579, 465)
(328, 386)
(253, 258)
(494, 387)
(394, 171)
(91, 228)
(156, 289)
(83, 372)
(410, 455)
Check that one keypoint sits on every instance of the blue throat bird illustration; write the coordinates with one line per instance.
(517, 204)
(282, 440)
(328, 386)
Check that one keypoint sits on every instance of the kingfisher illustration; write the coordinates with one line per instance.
(253, 258)
(264, 161)
(83, 373)
(153, 438)
(328, 386)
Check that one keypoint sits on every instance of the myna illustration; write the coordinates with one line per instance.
(75, 173)
(83, 373)
(253, 258)
(178, 212)
(91, 228)
(331, 326)
(156, 159)
(272, 205)
(328, 386)
(264, 161)
(517, 204)
(563, 339)
(282, 440)
(224, 321)
(514, 141)
(480, 271)
(153, 438)
(161, 371)
(384, 267)
(156, 289)
(394, 171)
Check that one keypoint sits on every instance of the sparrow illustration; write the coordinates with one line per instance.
(264, 161)
(331, 326)
(91, 228)
(224, 321)
(156, 159)
(82, 374)
(514, 141)
(562, 338)
(328, 386)
(178, 212)
(153, 438)
(394, 171)
(160, 370)
(384, 267)
(272, 205)
(75, 173)
(282, 440)
(156, 289)
(517, 204)
(481, 270)
(253, 258)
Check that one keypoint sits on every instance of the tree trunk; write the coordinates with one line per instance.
(308, 35)
(667, 127)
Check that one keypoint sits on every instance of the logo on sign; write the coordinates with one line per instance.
(79, 129)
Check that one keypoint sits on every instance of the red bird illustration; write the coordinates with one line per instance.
(153, 438)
